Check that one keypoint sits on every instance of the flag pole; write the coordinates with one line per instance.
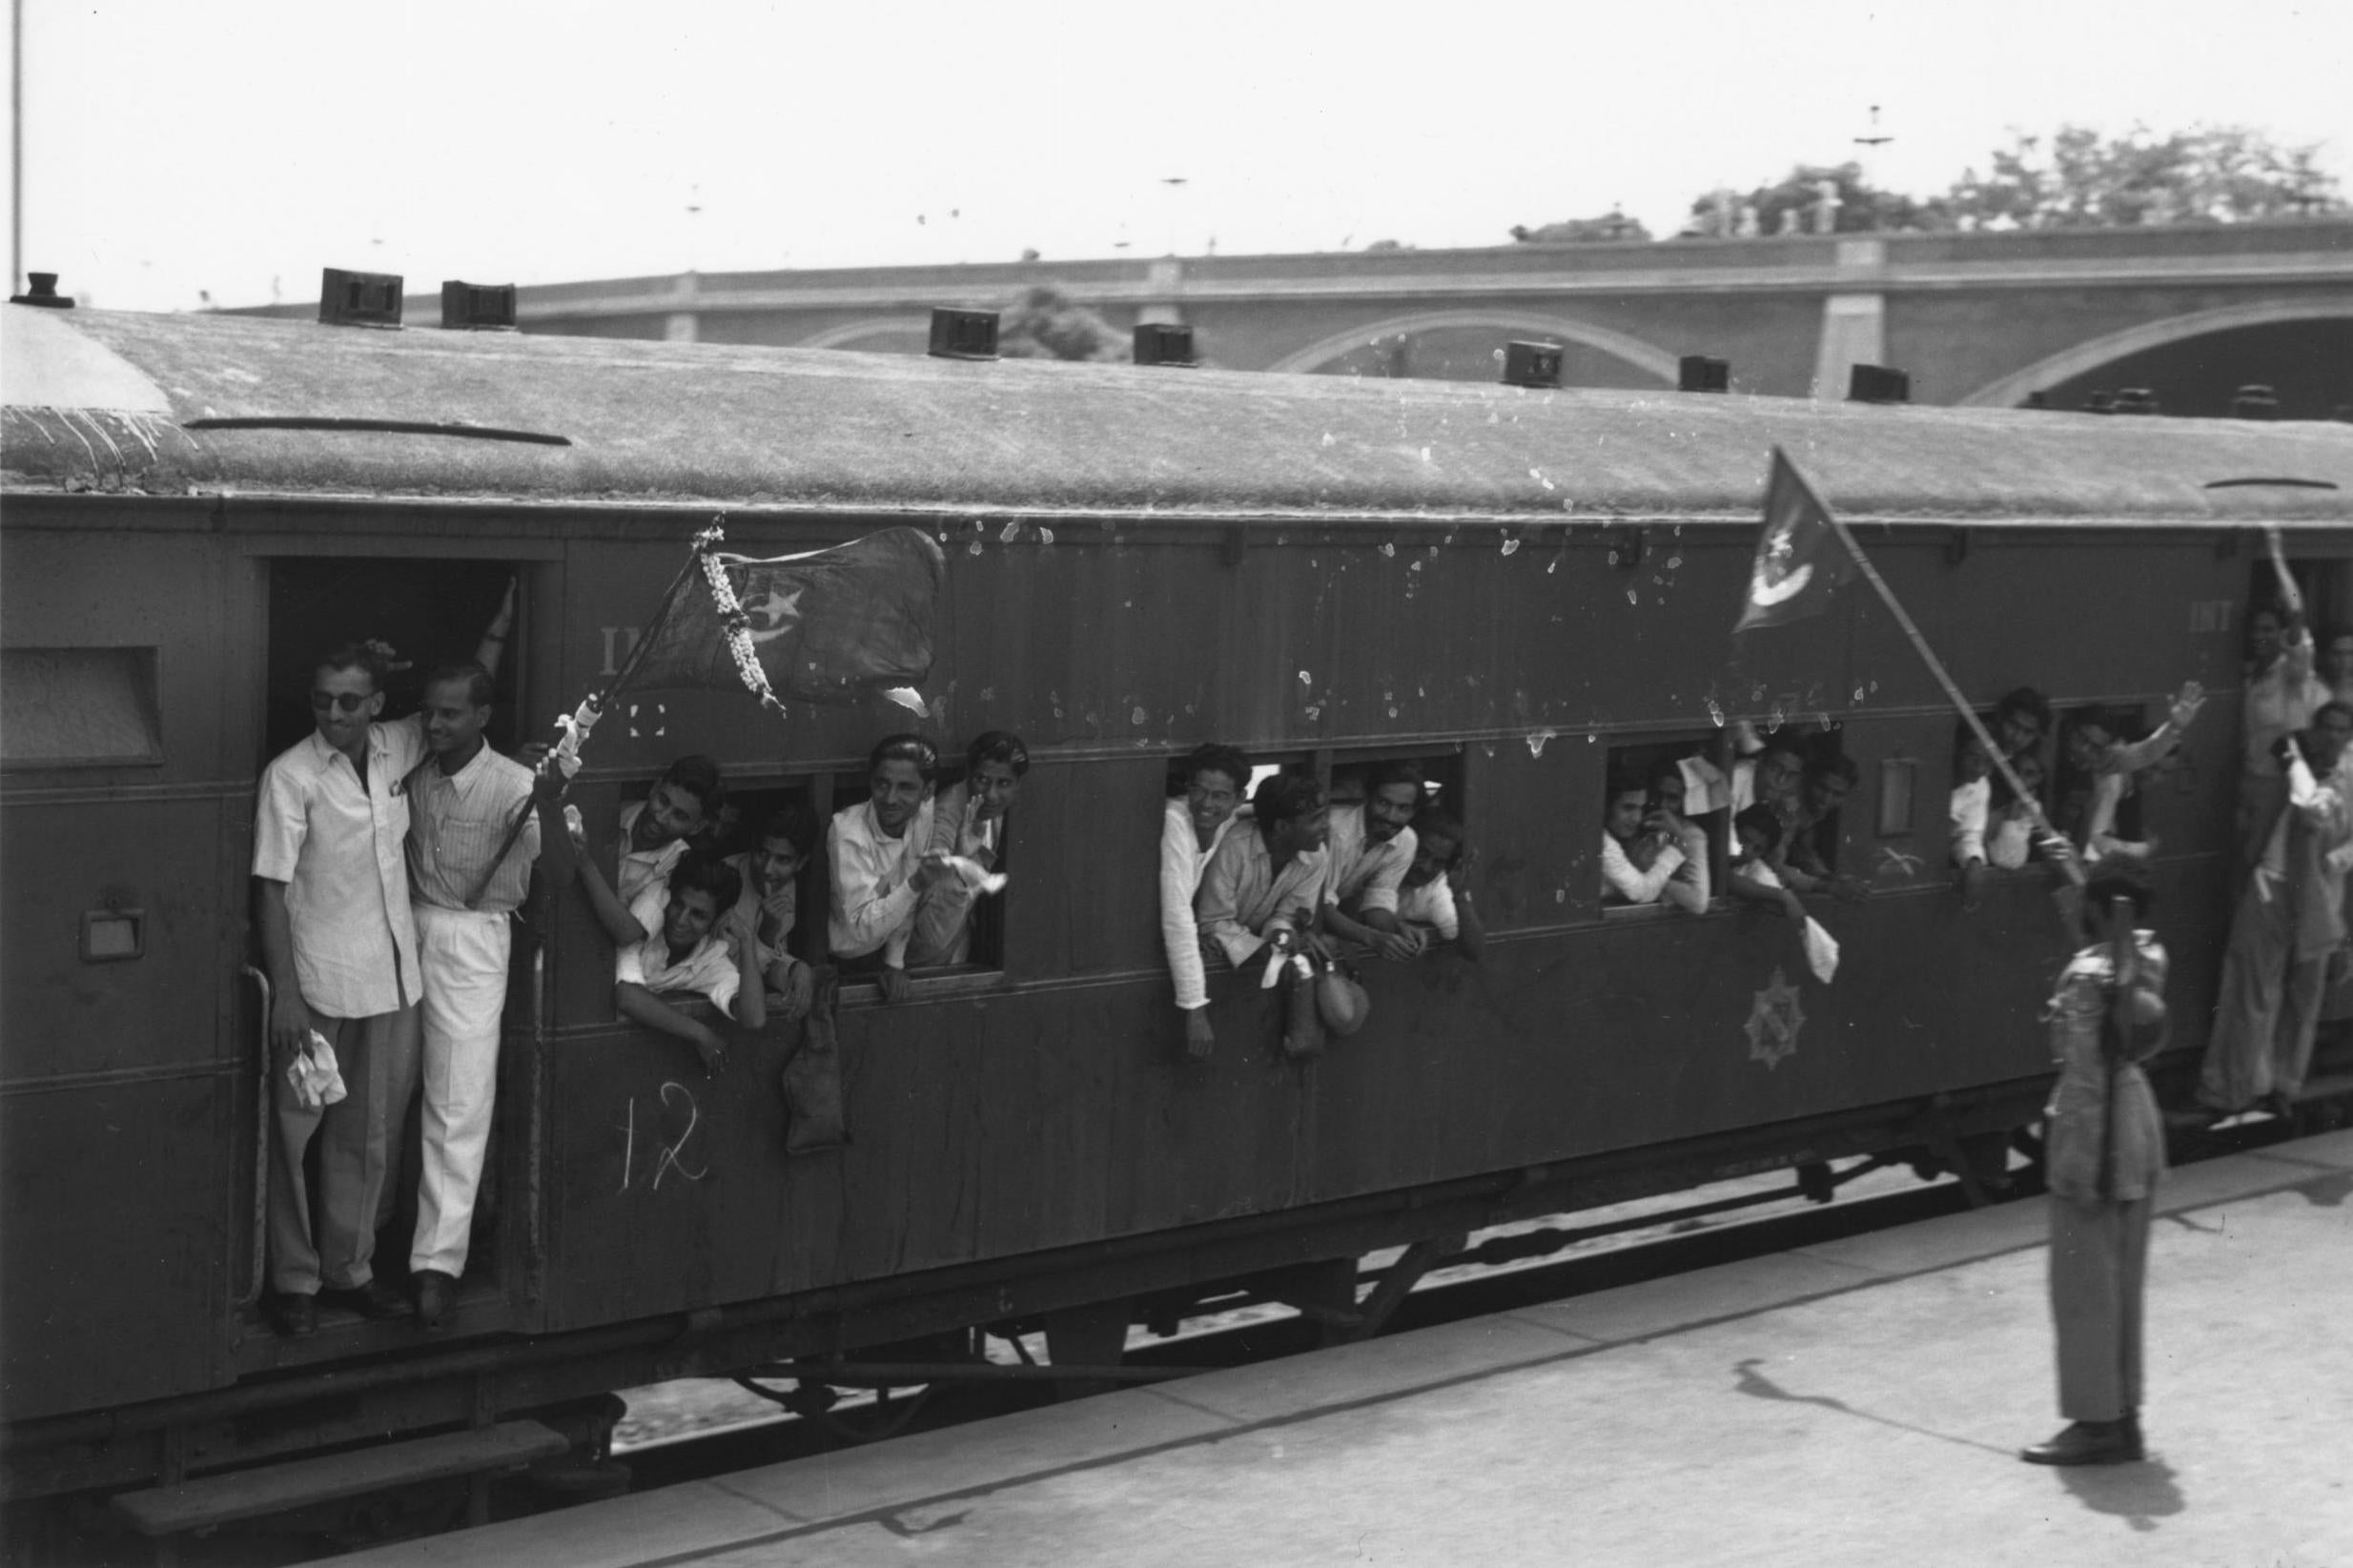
(2070, 863)
(599, 701)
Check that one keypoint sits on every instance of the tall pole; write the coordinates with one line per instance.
(16, 142)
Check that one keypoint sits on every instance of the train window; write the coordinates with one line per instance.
(753, 822)
(1899, 779)
(1420, 778)
(2085, 735)
(960, 935)
(1681, 779)
(79, 708)
(1831, 777)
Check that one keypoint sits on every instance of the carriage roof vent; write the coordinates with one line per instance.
(477, 307)
(963, 334)
(1877, 385)
(1532, 364)
(359, 299)
(43, 291)
(1164, 343)
(1697, 372)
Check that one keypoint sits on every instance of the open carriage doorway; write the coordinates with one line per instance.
(430, 612)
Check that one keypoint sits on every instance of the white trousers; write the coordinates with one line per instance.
(463, 954)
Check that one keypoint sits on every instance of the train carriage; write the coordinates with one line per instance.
(1520, 589)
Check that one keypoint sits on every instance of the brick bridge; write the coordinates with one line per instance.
(1974, 318)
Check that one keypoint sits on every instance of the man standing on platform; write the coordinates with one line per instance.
(466, 877)
(2105, 1148)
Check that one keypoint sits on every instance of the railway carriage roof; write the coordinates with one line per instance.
(114, 401)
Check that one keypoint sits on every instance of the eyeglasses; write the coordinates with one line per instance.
(347, 701)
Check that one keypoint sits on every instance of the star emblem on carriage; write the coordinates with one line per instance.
(1774, 1019)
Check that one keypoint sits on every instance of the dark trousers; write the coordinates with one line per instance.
(358, 1149)
(2100, 1262)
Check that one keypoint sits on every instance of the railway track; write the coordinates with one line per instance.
(710, 1427)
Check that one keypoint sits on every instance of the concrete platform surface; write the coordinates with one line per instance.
(1856, 1403)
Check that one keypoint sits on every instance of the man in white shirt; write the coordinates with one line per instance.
(655, 833)
(340, 942)
(878, 851)
(463, 805)
(1264, 890)
(770, 905)
(1370, 848)
(1643, 848)
(695, 951)
(1191, 827)
(968, 820)
(1264, 886)
(2106, 768)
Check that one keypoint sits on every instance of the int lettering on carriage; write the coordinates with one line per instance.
(619, 643)
(2209, 616)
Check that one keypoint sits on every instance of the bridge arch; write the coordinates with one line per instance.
(872, 326)
(2085, 357)
(1643, 357)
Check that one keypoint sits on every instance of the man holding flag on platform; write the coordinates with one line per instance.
(2105, 1149)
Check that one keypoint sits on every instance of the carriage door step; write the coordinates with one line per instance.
(272, 1489)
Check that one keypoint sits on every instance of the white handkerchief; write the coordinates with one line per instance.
(1704, 787)
(316, 1082)
(1821, 952)
(975, 875)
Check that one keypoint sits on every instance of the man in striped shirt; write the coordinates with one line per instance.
(463, 800)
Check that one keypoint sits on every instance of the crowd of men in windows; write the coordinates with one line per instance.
(390, 855)
(1677, 827)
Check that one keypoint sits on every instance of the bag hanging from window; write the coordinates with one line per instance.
(1302, 1021)
(1340, 999)
(813, 1074)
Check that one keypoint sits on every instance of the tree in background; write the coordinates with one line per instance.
(2078, 179)
(1790, 205)
(1611, 228)
(1045, 323)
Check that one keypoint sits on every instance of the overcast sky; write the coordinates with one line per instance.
(233, 147)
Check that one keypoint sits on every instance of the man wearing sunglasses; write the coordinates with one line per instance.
(332, 903)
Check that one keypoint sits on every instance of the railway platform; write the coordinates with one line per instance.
(1855, 1402)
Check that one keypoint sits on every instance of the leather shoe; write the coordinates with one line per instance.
(295, 1316)
(2089, 1442)
(435, 1294)
(375, 1299)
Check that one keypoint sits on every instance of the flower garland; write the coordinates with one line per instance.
(731, 616)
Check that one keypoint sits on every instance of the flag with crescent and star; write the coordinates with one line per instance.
(828, 626)
(1800, 563)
